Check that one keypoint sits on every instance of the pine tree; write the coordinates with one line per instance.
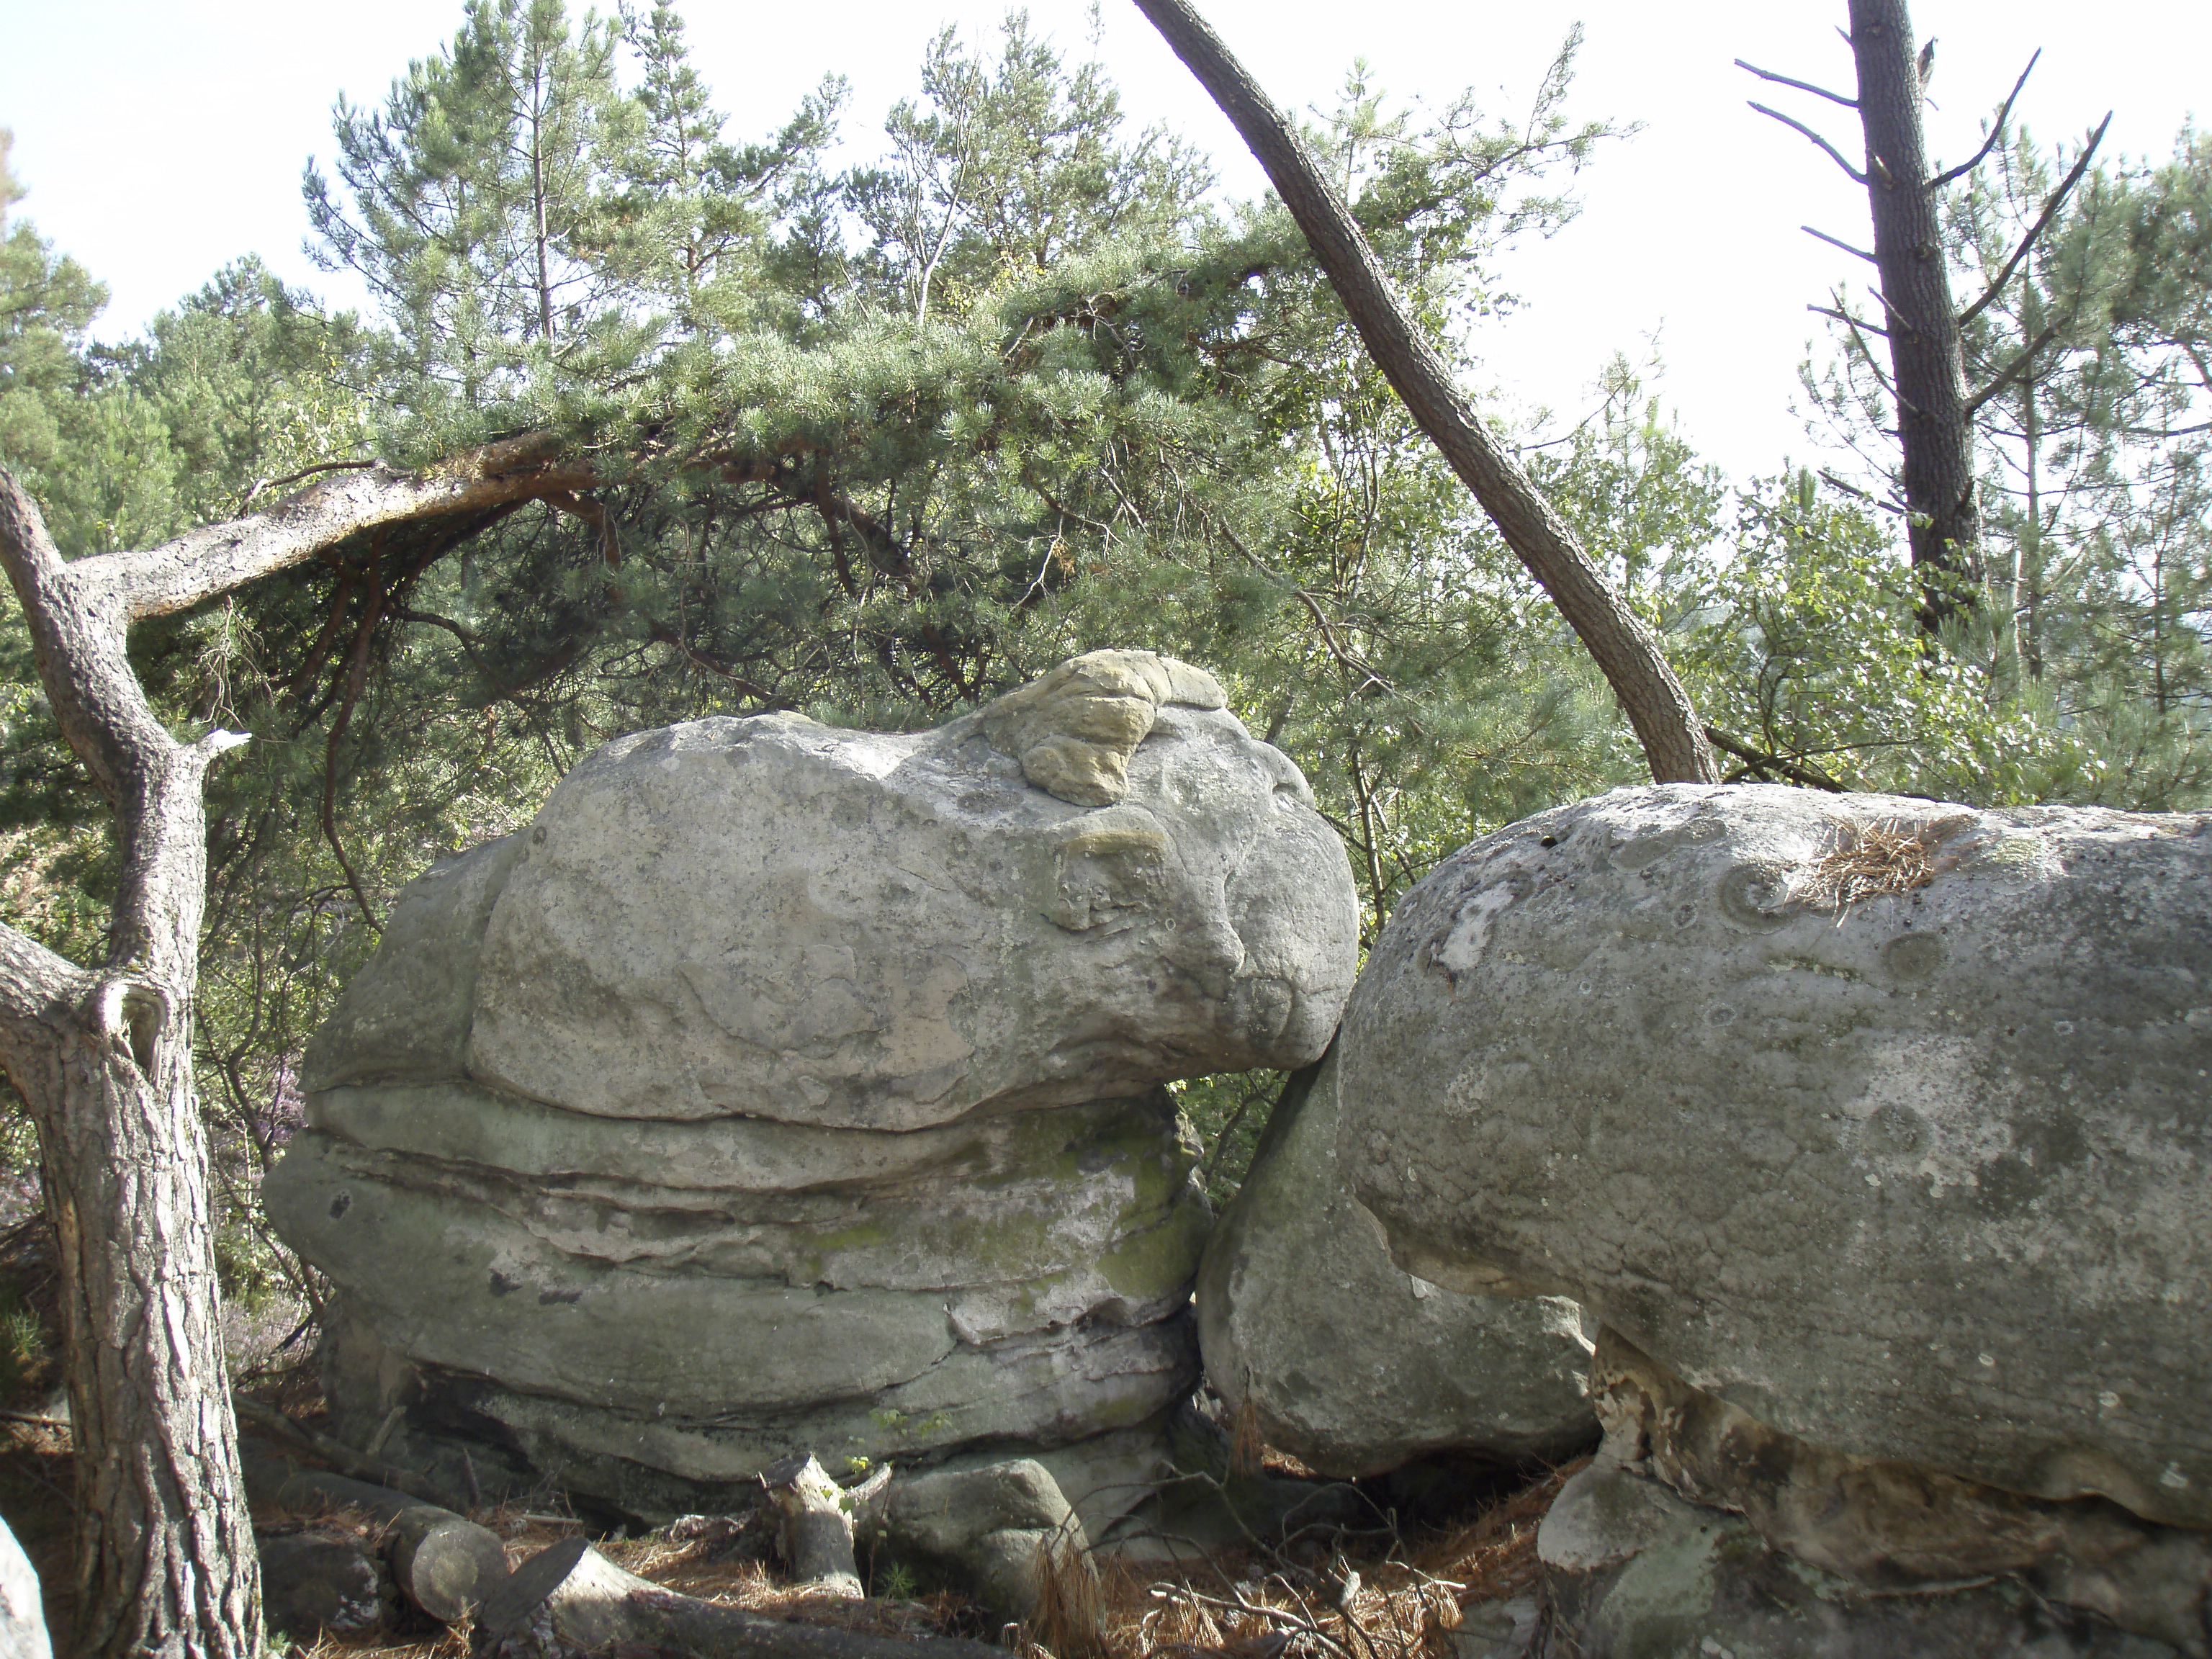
(483, 200)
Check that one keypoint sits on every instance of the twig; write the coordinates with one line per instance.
(1997, 130)
(1758, 759)
(1871, 499)
(1834, 155)
(1802, 86)
(1856, 323)
(260, 484)
(2011, 371)
(1837, 242)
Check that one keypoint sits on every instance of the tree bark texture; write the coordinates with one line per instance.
(816, 1518)
(1926, 360)
(1625, 649)
(166, 1562)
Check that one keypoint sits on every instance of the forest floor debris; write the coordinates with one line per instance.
(1397, 1594)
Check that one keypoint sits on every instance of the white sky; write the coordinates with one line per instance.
(159, 138)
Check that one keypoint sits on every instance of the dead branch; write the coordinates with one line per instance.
(1997, 130)
(2013, 370)
(1802, 86)
(1837, 242)
(570, 1597)
(1834, 155)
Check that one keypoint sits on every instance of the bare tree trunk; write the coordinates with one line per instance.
(1625, 649)
(165, 1563)
(1927, 362)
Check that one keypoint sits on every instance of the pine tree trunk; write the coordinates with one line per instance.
(1926, 360)
(165, 1561)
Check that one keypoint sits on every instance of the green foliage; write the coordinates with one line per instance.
(878, 446)
(1810, 648)
(2088, 641)
(1227, 1116)
(23, 1352)
(485, 196)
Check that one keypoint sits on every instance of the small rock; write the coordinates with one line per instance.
(311, 1581)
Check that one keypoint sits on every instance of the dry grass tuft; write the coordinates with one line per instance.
(1867, 861)
(1247, 1448)
(1070, 1618)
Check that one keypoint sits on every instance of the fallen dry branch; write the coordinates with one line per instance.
(571, 1598)
(1414, 1594)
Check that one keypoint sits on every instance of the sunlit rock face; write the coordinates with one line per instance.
(785, 1086)
(1885, 1122)
(1344, 1359)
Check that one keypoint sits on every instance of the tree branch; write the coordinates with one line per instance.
(2011, 370)
(2036, 229)
(1802, 86)
(1834, 155)
(217, 557)
(1625, 649)
(1836, 241)
(1761, 761)
(1997, 130)
(36, 986)
(1856, 324)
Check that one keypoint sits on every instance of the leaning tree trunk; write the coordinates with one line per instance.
(1626, 651)
(1927, 362)
(165, 1563)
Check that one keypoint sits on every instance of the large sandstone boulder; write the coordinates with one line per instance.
(1342, 1358)
(783, 1087)
(1885, 1122)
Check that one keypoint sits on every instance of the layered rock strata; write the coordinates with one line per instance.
(1343, 1358)
(787, 1087)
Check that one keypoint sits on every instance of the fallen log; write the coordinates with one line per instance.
(444, 1564)
(569, 1598)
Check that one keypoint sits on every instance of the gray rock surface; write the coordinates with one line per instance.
(992, 1527)
(788, 1088)
(1630, 1571)
(1346, 1360)
(836, 928)
(22, 1612)
(314, 1582)
(1926, 1176)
